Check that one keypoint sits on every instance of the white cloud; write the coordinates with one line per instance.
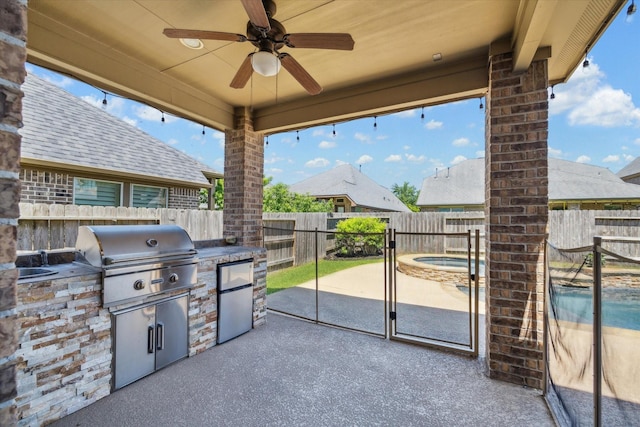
(129, 120)
(433, 124)
(364, 159)
(327, 144)
(583, 159)
(554, 152)
(480, 153)
(151, 114)
(318, 162)
(61, 81)
(408, 147)
(359, 136)
(611, 158)
(460, 142)
(405, 114)
(589, 101)
(318, 132)
(341, 162)
(273, 171)
(393, 158)
(272, 159)
(458, 159)
(627, 157)
(415, 159)
(173, 141)
(382, 137)
(637, 141)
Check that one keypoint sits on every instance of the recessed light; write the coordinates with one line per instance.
(437, 57)
(192, 43)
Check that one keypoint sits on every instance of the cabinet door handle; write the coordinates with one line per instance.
(160, 336)
(150, 337)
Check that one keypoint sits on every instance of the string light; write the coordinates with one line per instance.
(203, 129)
(104, 101)
(162, 119)
(422, 114)
(585, 64)
(334, 130)
(481, 104)
(266, 140)
(375, 122)
(298, 136)
(553, 95)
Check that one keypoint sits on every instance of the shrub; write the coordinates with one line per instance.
(360, 236)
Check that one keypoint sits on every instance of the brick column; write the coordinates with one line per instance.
(243, 171)
(13, 30)
(516, 212)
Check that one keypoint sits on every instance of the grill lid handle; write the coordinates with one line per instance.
(128, 259)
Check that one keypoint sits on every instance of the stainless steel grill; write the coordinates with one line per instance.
(138, 261)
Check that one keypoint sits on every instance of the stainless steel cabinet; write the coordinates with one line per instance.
(148, 338)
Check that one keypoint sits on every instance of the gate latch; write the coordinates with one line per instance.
(392, 244)
(392, 315)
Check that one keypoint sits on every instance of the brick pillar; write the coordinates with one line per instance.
(516, 212)
(243, 171)
(13, 51)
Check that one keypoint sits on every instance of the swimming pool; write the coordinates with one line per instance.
(448, 261)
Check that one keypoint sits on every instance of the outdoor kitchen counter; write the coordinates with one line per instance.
(64, 360)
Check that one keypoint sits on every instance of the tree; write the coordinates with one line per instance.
(278, 198)
(218, 195)
(407, 193)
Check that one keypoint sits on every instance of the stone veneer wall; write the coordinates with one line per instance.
(516, 217)
(64, 356)
(13, 54)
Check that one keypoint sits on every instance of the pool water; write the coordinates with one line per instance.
(620, 307)
(444, 261)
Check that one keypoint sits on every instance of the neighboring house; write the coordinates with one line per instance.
(571, 186)
(631, 172)
(75, 153)
(350, 190)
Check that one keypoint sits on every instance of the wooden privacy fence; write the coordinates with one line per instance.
(44, 226)
(290, 237)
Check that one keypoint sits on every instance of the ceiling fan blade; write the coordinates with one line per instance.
(300, 74)
(176, 33)
(243, 75)
(257, 14)
(339, 41)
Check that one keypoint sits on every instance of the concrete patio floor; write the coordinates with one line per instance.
(294, 373)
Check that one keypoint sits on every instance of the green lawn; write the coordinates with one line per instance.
(293, 276)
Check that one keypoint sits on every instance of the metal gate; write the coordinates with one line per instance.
(434, 289)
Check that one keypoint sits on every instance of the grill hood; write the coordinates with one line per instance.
(110, 246)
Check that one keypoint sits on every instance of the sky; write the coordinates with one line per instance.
(594, 119)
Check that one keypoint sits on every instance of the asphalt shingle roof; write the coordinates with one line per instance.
(345, 180)
(59, 127)
(463, 184)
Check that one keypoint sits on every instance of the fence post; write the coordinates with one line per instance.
(316, 254)
(597, 332)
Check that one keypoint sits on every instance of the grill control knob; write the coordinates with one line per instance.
(174, 278)
(138, 285)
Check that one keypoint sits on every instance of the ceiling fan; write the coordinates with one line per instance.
(269, 36)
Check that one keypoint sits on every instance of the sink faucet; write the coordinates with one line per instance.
(44, 257)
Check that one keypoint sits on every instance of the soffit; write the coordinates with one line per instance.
(118, 45)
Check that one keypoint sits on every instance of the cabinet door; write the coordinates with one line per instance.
(134, 345)
(171, 331)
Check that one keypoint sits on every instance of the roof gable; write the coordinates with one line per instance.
(345, 180)
(60, 128)
(463, 184)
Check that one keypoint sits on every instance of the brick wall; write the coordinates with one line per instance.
(516, 219)
(40, 186)
(53, 187)
(184, 198)
(243, 171)
(13, 38)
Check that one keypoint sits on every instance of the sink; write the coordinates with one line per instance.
(29, 272)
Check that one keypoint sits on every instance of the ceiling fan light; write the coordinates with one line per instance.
(265, 63)
(192, 43)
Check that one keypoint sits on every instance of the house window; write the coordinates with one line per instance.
(144, 196)
(96, 193)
